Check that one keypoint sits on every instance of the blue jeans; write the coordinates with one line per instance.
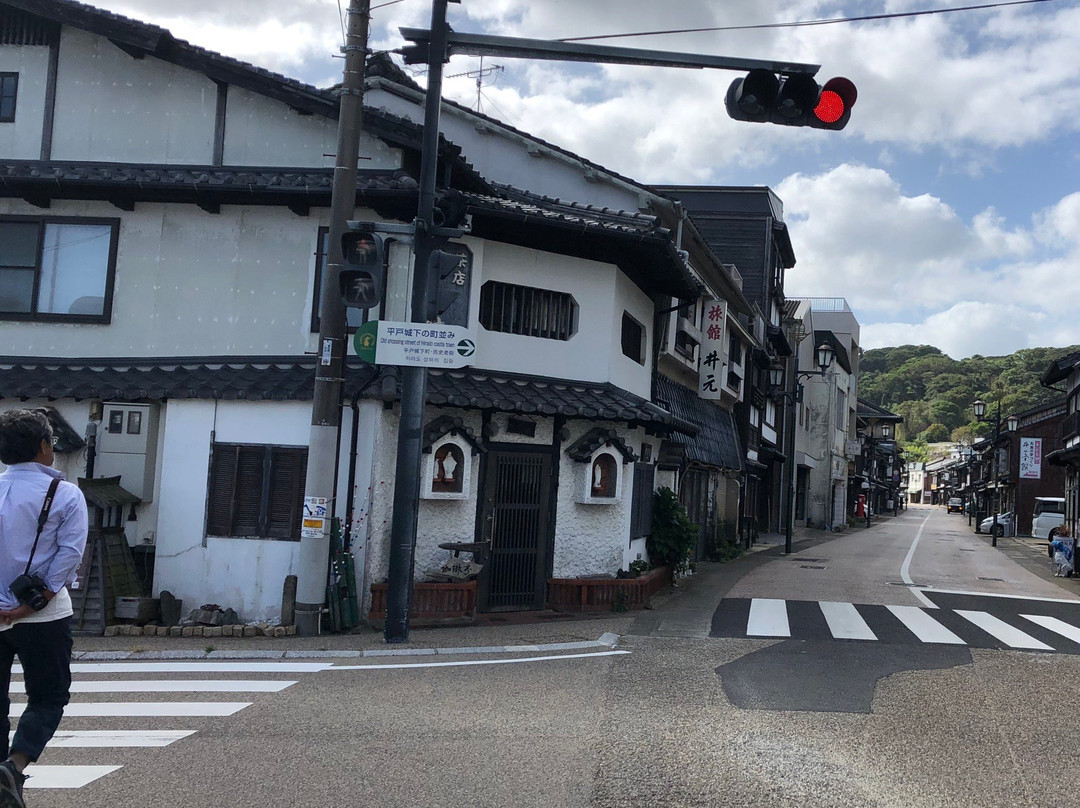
(44, 649)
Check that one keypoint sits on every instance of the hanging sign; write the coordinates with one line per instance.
(1031, 458)
(712, 349)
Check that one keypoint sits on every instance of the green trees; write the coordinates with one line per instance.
(934, 392)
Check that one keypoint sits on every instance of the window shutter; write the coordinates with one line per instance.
(249, 485)
(288, 474)
(641, 504)
(222, 488)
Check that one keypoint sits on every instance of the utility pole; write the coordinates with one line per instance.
(330, 364)
(399, 582)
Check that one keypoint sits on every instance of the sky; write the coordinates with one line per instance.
(947, 212)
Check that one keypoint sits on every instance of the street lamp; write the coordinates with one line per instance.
(1010, 423)
(824, 355)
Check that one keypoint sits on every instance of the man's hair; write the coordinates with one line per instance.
(21, 434)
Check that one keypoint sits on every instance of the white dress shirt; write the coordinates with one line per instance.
(60, 549)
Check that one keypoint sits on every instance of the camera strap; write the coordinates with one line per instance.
(43, 517)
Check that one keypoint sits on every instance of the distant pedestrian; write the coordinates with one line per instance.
(43, 526)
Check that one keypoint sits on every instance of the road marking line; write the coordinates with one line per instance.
(179, 686)
(923, 626)
(133, 709)
(997, 595)
(400, 665)
(845, 622)
(193, 667)
(1066, 630)
(117, 738)
(999, 629)
(905, 568)
(768, 618)
(65, 776)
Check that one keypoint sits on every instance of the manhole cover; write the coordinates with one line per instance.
(805, 560)
(812, 566)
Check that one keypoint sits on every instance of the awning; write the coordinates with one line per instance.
(716, 442)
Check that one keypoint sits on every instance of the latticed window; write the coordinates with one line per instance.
(256, 491)
(512, 309)
(9, 89)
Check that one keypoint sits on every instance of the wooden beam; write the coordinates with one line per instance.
(209, 207)
(133, 51)
(37, 200)
(127, 205)
(300, 209)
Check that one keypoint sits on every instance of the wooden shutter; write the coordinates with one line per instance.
(288, 473)
(222, 489)
(641, 502)
(249, 491)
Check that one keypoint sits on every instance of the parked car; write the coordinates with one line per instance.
(1049, 513)
(1003, 527)
(954, 505)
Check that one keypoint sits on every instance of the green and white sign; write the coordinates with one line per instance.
(430, 345)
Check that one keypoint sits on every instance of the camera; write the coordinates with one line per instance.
(30, 591)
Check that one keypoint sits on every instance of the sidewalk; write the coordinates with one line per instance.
(505, 632)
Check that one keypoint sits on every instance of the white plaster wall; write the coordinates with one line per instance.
(21, 139)
(191, 283)
(113, 108)
(261, 131)
(591, 539)
(244, 574)
(601, 298)
(625, 372)
(504, 158)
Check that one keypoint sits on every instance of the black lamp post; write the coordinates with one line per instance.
(824, 356)
(871, 464)
(1010, 423)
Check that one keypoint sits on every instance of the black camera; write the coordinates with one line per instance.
(30, 591)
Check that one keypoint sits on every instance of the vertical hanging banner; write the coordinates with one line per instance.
(1031, 458)
(712, 349)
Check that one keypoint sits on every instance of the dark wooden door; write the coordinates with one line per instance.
(516, 518)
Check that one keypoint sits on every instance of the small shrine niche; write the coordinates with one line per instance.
(604, 476)
(448, 472)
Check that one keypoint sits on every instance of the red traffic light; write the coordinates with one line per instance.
(835, 103)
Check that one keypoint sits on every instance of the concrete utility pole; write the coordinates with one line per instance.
(329, 372)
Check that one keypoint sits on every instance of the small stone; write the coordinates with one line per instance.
(231, 617)
(112, 631)
(188, 631)
(279, 631)
(214, 631)
(176, 631)
(290, 631)
(163, 631)
(226, 631)
(170, 608)
(251, 631)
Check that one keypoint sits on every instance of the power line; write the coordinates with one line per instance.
(808, 23)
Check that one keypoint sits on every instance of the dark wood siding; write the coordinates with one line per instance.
(256, 491)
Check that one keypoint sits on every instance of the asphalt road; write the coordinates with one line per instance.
(680, 718)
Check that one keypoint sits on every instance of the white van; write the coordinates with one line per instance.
(1049, 513)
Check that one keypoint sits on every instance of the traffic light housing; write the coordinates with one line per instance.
(793, 100)
(363, 274)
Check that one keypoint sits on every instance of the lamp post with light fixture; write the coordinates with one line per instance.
(1010, 423)
(824, 355)
(871, 463)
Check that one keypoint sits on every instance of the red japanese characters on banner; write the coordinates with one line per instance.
(710, 372)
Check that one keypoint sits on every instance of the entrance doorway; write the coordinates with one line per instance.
(515, 516)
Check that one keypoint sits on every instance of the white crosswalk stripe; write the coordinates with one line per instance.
(147, 679)
(768, 618)
(996, 627)
(845, 622)
(923, 626)
(1053, 624)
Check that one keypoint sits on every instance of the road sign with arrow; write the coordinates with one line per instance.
(430, 345)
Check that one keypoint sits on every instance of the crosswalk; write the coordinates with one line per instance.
(156, 698)
(1017, 626)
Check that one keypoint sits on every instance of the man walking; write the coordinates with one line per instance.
(39, 558)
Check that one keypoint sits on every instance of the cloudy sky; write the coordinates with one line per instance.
(947, 212)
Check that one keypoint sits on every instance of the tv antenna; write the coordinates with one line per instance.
(480, 74)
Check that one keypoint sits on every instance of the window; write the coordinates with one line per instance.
(57, 269)
(512, 309)
(256, 491)
(686, 345)
(641, 506)
(633, 339)
(354, 318)
(9, 89)
(841, 409)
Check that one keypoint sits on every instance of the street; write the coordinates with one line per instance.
(820, 679)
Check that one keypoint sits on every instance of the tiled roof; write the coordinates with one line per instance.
(716, 442)
(526, 201)
(864, 409)
(291, 379)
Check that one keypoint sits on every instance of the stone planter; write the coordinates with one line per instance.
(602, 594)
(432, 604)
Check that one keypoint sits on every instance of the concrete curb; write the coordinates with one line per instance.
(606, 640)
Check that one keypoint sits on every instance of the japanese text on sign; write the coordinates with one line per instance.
(712, 349)
(1031, 458)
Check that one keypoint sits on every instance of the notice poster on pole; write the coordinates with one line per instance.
(1031, 458)
(712, 349)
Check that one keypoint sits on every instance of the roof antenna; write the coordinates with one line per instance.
(480, 75)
